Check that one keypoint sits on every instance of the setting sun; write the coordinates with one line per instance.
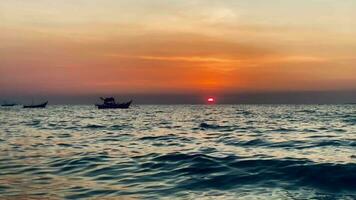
(211, 100)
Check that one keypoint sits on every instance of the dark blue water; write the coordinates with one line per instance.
(179, 152)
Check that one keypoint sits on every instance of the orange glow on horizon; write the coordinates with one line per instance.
(191, 47)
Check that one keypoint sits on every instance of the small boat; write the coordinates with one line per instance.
(109, 103)
(42, 105)
(350, 103)
(8, 104)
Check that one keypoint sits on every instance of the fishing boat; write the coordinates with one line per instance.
(42, 105)
(109, 103)
(5, 104)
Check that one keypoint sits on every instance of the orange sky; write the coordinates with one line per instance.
(115, 46)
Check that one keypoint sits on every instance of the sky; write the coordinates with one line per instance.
(189, 47)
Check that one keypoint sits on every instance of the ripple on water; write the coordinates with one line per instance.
(202, 172)
(179, 152)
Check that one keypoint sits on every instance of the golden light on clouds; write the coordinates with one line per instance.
(176, 46)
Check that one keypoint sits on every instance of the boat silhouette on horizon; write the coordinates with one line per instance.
(5, 104)
(42, 105)
(110, 103)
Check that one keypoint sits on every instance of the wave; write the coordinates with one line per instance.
(295, 144)
(246, 113)
(231, 171)
(307, 111)
(350, 120)
(94, 126)
(179, 152)
(77, 163)
(166, 138)
(253, 142)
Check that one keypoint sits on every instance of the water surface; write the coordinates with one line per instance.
(179, 152)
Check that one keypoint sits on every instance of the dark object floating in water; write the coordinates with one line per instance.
(209, 126)
(109, 103)
(42, 105)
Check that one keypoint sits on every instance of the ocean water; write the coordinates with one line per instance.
(179, 152)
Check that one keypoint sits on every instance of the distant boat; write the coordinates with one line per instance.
(8, 104)
(42, 105)
(109, 103)
(350, 103)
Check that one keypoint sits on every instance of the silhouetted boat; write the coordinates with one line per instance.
(42, 105)
(8, 104)
(109, 103)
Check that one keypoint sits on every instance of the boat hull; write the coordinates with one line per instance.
(43, 105)
(114, 106)
(8, 105)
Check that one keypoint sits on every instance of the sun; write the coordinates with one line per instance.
(211, 100)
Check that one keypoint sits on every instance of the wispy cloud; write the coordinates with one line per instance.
(205, 59)
(181, 58)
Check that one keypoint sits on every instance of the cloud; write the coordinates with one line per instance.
(193, 59)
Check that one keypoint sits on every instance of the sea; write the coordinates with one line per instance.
(179, 152)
